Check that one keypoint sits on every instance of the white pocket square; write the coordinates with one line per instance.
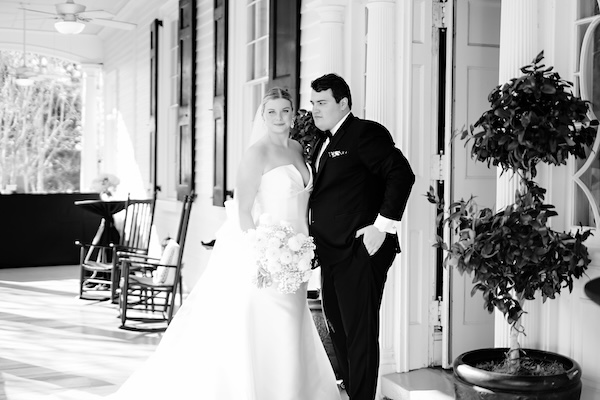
(337, 153)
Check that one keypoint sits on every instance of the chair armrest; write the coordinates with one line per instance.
(129, 249)
(99, 246)
(128, 265)
(127, 254)
(150, 263)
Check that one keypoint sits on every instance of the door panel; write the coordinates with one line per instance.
(476, 48)
(420, 221)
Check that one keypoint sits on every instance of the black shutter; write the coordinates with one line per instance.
(186, 134)
(220, 102)
(284, 46)
(154, 34)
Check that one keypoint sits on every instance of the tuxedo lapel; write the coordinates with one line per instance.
(332, 145)
(315, 155)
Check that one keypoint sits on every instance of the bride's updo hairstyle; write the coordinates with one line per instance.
(273, 94)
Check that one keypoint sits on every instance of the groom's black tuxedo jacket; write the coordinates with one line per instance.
(363, 174)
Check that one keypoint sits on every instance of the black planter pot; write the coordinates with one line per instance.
(474, 384)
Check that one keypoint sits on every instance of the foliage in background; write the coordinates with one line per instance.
(532, 118)
(40, 125)
(513, 253)
(304, 131)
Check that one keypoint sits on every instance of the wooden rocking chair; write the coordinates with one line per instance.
(98, 263)
(149, 285)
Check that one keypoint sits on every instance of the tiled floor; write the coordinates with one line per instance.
(55, 346)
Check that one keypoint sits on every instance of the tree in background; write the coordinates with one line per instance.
(40, 125)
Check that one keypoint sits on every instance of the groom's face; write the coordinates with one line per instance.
(325, 110)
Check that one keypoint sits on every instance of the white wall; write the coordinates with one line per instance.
(568, 325)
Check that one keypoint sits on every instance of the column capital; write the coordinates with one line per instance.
(91, 68)
(331, 11)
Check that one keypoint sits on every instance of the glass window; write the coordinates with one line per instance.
(587, 85)
(257, 52)
(257, 45)
(588, 8)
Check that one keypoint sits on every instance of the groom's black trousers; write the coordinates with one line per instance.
(351, 293)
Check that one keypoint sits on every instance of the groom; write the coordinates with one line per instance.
(361, 187)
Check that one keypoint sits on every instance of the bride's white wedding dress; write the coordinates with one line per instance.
(231, 340)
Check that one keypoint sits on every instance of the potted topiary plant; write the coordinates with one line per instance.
(512, 254)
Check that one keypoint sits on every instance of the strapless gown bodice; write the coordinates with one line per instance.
(231, 340)
(283, 195)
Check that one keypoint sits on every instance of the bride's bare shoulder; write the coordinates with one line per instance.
(254, 157)
(296, 145)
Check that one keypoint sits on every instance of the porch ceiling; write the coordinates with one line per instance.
(11, 16)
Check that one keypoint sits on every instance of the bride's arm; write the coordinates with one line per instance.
(249, 175)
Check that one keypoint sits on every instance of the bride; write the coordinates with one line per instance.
(231, 340)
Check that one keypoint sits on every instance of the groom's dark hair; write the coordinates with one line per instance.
(336, 83)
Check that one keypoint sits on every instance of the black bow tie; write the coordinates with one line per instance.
(327, 134)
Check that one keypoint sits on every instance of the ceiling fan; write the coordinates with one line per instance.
(24, 74)
(72, 17)
(36, 69)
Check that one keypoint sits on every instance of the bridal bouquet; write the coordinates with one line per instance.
(282, 256)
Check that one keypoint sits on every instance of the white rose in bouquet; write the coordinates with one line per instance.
(285, 257)
(294, 243)
(304, 264)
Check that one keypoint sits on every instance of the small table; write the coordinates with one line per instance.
(105, 209)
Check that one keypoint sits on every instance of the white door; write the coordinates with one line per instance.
(418, 269)
(476, 59)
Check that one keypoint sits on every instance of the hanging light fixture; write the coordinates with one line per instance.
(22, 77)
(23, 81)
(69, 27)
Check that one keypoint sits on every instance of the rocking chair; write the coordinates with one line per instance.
(149, 285)
(98, 262)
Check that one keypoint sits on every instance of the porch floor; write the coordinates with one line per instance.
(57, 346)
(420, 384)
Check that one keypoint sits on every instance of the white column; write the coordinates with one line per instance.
(380, 107)
(89, 122)
(380, 77)
(518, 47)
(331, 13)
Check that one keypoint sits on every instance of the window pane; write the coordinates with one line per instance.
(588, 8)
(594, 79)
(250, 64)
(587, 190)
(590, 180)
(262, 22)
(262, 59)
(251, 23)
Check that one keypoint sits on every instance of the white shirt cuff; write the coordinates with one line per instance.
(384, 224)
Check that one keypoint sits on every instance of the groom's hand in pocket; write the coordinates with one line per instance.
(372, 238)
